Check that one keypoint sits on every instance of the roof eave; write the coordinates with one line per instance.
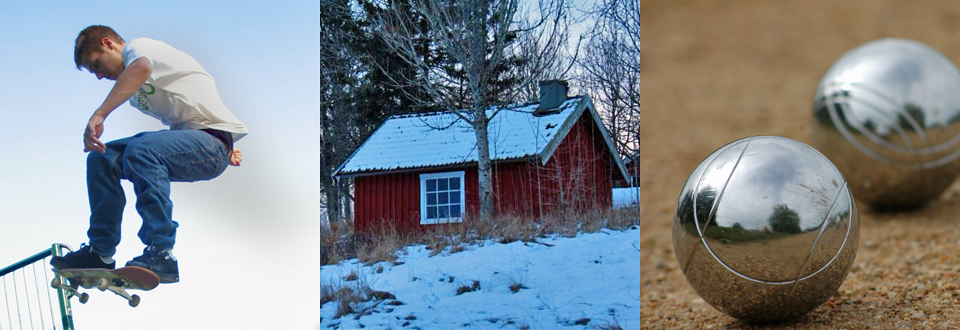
(336, 172)
(431, 168)
(565, 128)
(586, 104)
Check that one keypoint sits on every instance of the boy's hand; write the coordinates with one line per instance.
(91, 136)
(236, 157)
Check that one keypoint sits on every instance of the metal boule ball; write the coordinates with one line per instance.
(887, 114)
(766, 229)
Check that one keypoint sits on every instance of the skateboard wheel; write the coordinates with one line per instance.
(57, 282)
(103, 284)
(84, 297)
(134, 300)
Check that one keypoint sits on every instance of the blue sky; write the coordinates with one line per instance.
(255, 225)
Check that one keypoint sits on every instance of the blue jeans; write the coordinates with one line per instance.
(150, 160)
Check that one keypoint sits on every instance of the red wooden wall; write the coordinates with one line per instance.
(579, 176)
(580, 173)
(393, 200)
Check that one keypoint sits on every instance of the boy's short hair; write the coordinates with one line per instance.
(89, 41)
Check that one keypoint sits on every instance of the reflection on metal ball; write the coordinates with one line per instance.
(766, 229)
(887, 114)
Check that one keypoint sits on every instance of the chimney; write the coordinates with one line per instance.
(552, 95)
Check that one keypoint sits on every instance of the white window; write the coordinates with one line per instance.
(441, 197)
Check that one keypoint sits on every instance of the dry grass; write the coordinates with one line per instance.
(454, 238)
(383, 248)
(352, 276)
(468, 288)
(328, 293)
(345, 296)
(336, 244)
(516, 287)
(352, 298)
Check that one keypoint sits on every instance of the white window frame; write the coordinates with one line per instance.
(423, 197)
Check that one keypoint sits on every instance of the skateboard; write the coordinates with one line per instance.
(116, 280)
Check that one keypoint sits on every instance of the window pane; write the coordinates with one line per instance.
(442, 197)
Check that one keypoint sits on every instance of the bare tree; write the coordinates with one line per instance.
(621, 18)
(477, 38)
(548, 52)
(610, 70)
(614, 85)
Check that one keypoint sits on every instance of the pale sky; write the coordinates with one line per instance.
(248, 241)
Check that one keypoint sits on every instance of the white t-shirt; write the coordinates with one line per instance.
(179, 92)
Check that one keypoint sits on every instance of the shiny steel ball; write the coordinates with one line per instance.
(887, 113)
(766, 229)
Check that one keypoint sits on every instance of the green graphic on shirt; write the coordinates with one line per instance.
(142, 96)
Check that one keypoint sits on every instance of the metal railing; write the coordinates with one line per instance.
(27, 297)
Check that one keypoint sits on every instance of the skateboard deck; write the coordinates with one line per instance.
(116, 280)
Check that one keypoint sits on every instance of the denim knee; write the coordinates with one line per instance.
(101, 161)
(135, 157)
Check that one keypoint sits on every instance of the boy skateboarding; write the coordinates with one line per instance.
(171, 86)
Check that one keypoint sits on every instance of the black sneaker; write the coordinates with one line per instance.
(160, 262)
(84, 257)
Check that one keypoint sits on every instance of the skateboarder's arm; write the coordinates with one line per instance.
(129, 81)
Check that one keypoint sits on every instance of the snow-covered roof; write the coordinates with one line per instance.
(442, 139)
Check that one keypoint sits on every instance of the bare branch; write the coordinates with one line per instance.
(483, 65)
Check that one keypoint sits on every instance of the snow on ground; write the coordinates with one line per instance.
(626, 197)
(590, 277)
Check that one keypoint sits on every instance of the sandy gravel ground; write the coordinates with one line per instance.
(717, 71)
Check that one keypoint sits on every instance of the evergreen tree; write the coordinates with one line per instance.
(356, 91)
(382, 94)
(337, 102)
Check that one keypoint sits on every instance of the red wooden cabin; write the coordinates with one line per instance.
(421, 170)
